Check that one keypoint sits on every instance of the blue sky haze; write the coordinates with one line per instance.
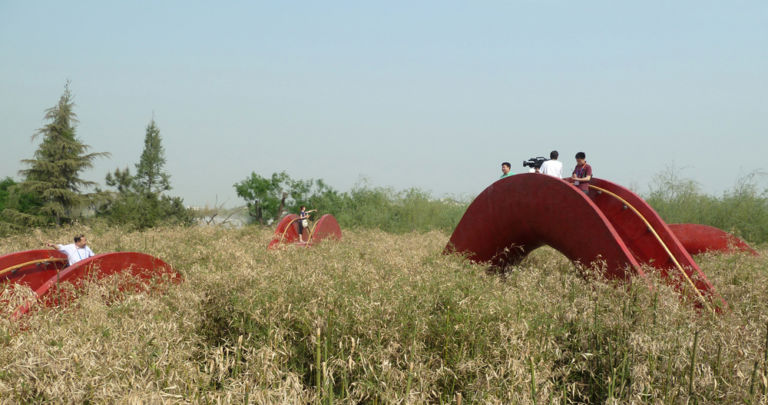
(432, 94)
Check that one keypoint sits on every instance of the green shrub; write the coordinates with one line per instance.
(363, 207)
(146, 210)
(743, 210)
(392, 211)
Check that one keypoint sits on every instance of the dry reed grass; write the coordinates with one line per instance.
(380, 318)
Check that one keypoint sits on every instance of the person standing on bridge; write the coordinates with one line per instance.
(552, 167)
(75, 251)
(506, 168)
(303, 222)
(582, 174)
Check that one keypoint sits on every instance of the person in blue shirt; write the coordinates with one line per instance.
(303, 221)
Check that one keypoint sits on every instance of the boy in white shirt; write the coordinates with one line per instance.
(75, 251)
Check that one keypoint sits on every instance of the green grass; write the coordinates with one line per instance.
(743, 210)
(381, 318)
(393, 211)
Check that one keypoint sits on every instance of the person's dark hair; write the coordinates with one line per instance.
(507, 164)
(303, 207)
(553, 154)
(79, 237)
(581, 155)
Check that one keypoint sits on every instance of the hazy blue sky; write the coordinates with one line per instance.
(430, 94)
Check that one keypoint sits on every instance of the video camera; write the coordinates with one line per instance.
(535, 163)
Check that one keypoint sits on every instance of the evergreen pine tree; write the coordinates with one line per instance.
(122, 180)
(150, 177)
(54, 173)
(139, 200)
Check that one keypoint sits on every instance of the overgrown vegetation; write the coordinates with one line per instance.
(381, 318)
(18, 209)
(743, 210)
(389, 210)
(381, 208)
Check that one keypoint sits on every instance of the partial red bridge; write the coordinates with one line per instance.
(43, 270)
(704, 238)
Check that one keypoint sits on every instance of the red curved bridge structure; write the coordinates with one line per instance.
(611, 227)
(287, 231)
(44, 270)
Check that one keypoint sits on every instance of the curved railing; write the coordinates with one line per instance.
(661, 242)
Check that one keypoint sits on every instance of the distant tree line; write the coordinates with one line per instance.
(742, 210)
(52, 191)
(270, 198)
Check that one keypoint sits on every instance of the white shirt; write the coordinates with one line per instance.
(553, 168)
(74, 254)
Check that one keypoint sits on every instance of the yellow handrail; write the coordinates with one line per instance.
(18, 266)
(311, 232)
(286, 229)
(664, 245)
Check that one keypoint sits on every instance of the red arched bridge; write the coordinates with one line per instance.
(611, 226)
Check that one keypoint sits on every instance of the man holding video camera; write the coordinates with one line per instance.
(552, 167)
(534, 164)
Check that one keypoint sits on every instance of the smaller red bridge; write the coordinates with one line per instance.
(287, 231)
(44, 270)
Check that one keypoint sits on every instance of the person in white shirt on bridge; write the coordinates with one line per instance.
(75, 251)
(552, 167)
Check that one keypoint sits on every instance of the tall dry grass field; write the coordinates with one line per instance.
(380, 318)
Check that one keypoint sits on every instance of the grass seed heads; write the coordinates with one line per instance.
(379, 318)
